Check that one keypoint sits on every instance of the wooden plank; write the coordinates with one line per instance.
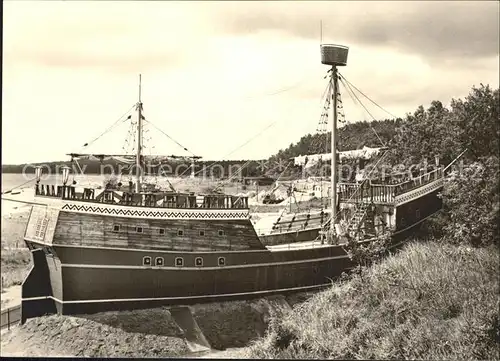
(98, 230)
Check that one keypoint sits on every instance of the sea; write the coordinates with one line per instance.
(26, 183)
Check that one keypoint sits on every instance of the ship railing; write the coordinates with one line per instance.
(368, 191)
(421, 180)
(365, 192)
(414, 182)
(154, 200)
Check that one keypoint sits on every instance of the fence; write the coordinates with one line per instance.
(10, 316)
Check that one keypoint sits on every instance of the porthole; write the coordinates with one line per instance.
(161, 231)
(179, 261)
(138, 229)
(180, 232)
(159, 261)
(116, 228)
(221, 261)
(198, 261)
(146, 261)
(202, 233)
(221, 232)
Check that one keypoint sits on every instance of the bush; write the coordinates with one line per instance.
(472, 197)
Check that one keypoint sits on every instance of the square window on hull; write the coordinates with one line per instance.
(180, 232)
(161, 231)
(159, 261)
(221, 261)
(179, 261)
(138, 229)
(198, 261)
(146, 261)
(116, 228)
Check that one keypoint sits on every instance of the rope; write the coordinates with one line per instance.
(10, 190)
(282, 90)
(363, 94)
(349, 91)
(172, 139)
(111, 127)
(241, 146)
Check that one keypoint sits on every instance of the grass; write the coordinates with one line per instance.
(16, 258)
(430, 301)
(15, 265)
(13, 230)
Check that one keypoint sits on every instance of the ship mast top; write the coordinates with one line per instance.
(334, 55)
(139, 142)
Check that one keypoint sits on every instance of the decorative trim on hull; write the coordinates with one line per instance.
(418, 192)
(121, 211)
(187, 298)
(201, 269)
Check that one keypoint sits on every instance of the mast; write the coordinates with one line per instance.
(334, 82)
(334, 55)
(139, 142)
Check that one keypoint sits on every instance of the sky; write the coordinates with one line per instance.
(227, 80)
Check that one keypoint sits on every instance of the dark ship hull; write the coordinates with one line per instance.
(75, 280)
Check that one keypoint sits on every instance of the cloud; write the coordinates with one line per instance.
(432, 29)
(217, 73)
(111, 36)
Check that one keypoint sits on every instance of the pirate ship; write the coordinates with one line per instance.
(108, 249)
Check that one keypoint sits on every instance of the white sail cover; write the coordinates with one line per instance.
(313, 159)
(129, 159)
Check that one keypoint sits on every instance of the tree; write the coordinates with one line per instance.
(478, 118)
(472, 196)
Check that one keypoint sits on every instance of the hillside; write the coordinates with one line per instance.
(429, 302)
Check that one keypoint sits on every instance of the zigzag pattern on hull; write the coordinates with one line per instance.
(155, 214)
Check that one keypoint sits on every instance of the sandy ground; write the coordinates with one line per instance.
(229, 328)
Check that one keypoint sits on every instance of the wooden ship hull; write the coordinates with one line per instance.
(94, 257)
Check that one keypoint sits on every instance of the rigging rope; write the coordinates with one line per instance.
(366, 96)
(241, 146)
(351, 94)
(111, 127)
(10, 190)
(172, 139)
(282, 90)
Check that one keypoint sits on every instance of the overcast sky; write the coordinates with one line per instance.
(215, 74)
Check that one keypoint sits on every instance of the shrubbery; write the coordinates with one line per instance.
(430, 301)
